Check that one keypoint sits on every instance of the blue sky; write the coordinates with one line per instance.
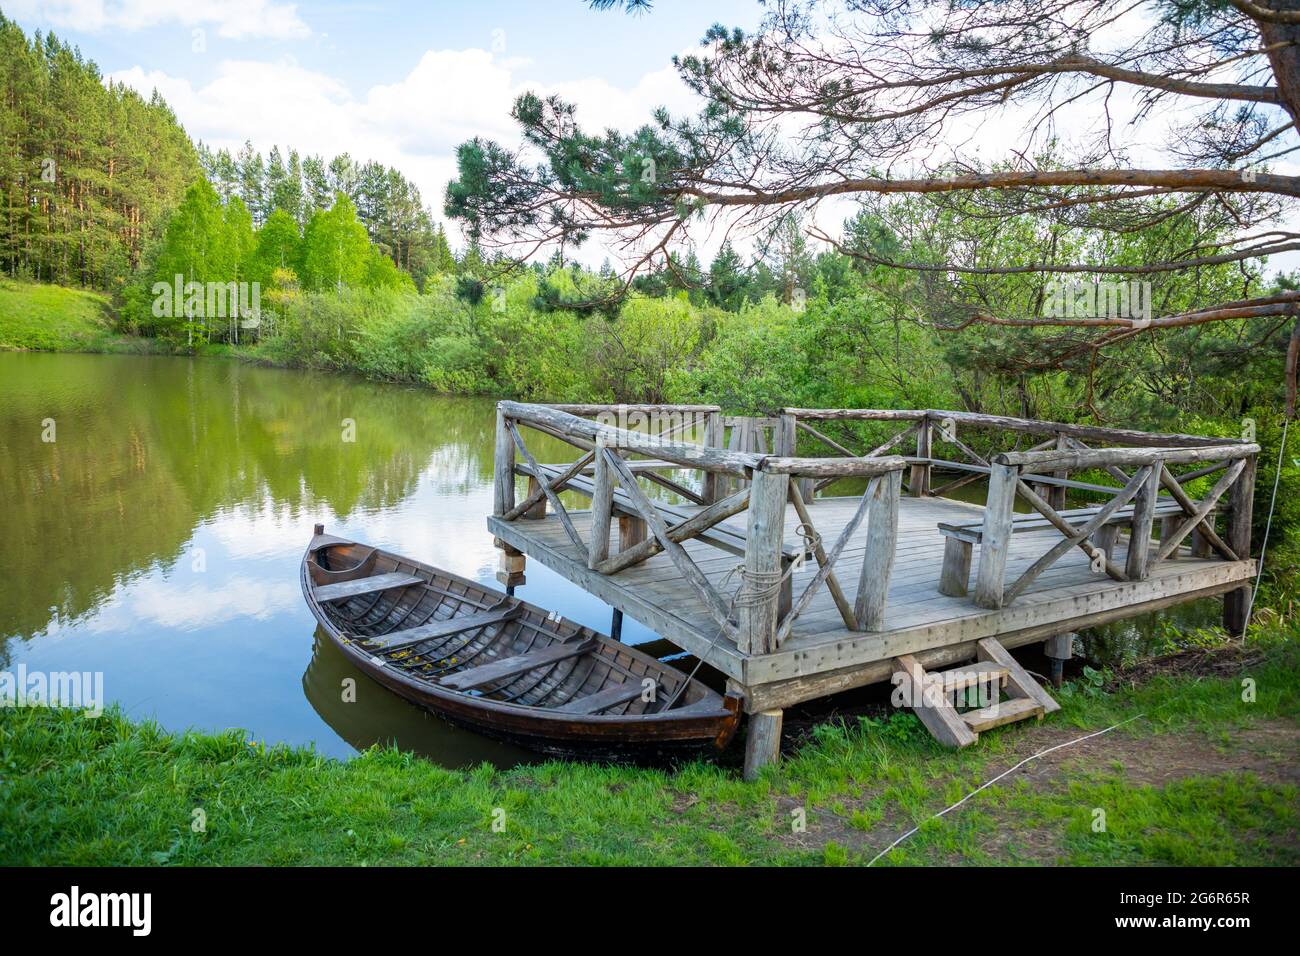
(402, 83)
(366, 43)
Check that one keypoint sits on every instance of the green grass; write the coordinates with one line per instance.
(108, 791)
(52, 318)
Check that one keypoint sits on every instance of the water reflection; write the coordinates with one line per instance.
(157, 538)
(374, 715)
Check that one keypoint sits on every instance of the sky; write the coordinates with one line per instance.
(399, 82)
(404, 83)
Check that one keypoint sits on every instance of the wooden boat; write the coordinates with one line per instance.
(502, 666)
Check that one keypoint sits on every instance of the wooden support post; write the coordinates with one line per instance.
(1139, 540)
(954, 578)
(1058, 649)
(510, 565)
(632, 530)
(996, 540)
(1060, 646)
(766, 527)
(714, 484)
(1104, 538)
(878, 559)
(1236, 604)
(919, 484)
(1168, 528)
(785, 601)
(616, 625)
(762, 740)
(1200, 543)
(537, 511)
(1056, 493)
(785, 444)
(602, 509)
(503, 468)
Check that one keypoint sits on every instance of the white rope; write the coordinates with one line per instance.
(1268, 526)
(989, 783)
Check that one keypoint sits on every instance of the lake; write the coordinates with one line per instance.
(157, 538)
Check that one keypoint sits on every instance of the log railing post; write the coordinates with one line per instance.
(1139, 541)
(785, 441)
(537, 511)
(503, 468)
(920, 480)
(878, 560)
(1056, 494)
(1236, 604)
(996, 542)
(602, 508)
(760, 595)
(714, 484)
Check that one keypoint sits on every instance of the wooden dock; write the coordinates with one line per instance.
(794, 596)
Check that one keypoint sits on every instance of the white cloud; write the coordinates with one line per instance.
(449, 96)
(232, 19)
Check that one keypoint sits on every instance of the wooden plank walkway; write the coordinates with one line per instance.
(822, 656)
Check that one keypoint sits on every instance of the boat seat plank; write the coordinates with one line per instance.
(602, 700)
(396, 640)
(376, 582)
(511, 666)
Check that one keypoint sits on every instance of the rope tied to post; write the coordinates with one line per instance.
(758, 587)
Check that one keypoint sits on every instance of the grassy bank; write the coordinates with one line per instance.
(51, 318)
(1201, 777)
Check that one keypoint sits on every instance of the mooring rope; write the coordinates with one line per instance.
(989, 783)
(750, 594)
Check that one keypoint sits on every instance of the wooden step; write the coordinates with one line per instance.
(969, 675)
(938, 715)
(359, 586)
(410, 636)
(1020, 683)
(513, 666)
(1005, 712)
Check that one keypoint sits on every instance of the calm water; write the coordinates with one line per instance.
(158, 538)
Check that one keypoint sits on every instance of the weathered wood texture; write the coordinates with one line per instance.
(919, 619)
(786, 629)
(762, 741)
(1236, 605)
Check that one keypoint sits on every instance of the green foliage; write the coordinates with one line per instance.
(89, 169)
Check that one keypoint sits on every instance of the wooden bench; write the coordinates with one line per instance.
(954, 578)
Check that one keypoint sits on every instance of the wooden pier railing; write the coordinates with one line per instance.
(762, 610)
(751, 466)
(1040, 476)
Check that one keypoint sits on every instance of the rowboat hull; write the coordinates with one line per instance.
(463, 651)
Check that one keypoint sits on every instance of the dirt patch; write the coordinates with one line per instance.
(1268, 749)
(1194, 662)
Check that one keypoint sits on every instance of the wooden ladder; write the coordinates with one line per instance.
(936, 696)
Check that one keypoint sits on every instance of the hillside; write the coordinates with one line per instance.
(53, 318)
